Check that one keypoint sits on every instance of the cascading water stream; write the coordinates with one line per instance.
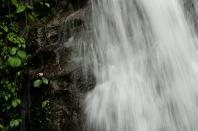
(145, 61)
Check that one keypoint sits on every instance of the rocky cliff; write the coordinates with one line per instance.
(57, 57)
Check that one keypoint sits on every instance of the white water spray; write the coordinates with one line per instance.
(146, 64)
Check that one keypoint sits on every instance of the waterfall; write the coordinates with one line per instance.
(144, 57)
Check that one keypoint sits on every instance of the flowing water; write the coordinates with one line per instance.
(145, 59)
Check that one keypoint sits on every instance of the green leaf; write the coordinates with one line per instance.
(19, 45)
(30, 18)
(12, 87)
(19, 73)
(14, 26)
(16, 102)
(14, 2)
(8, 107)
(5, 28)
(45, 103)
(21, 8)
(13, 38)
(22, 54)
(45, 80)
(14, 61)
(30, 6)
(47, 4)
(23, 46)
(41, 3)
(6, 97)
(37, 83)
(15, 122)
(1, 126)
(13, 51)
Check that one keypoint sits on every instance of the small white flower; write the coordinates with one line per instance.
(40, 74)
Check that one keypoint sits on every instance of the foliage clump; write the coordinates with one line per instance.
(16, 20)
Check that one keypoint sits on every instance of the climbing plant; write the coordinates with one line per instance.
(16, 20)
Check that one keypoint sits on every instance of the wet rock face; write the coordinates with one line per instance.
(61, 63)
(79, 3)
(191, 12)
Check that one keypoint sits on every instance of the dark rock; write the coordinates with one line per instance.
(60, 61)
